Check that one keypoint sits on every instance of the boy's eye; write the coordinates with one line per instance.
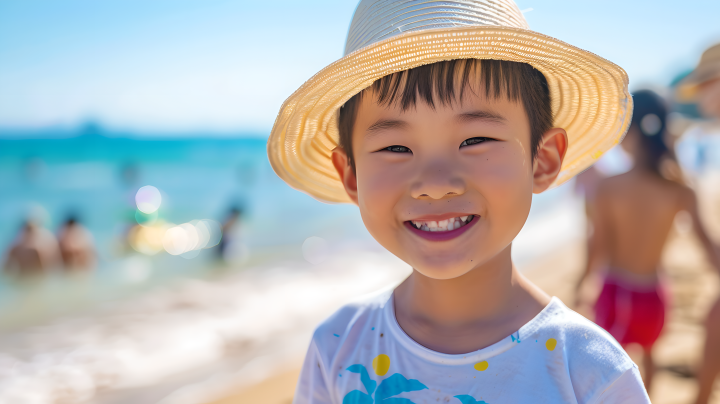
(474, 140)
(397, 149)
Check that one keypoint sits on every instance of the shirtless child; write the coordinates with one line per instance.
(34, 253)
(439, 123)
(632, 217)
(77, 246)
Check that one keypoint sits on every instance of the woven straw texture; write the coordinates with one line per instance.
(589, 94)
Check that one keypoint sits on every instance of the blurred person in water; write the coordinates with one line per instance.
(77, 246)
(230, 247)
(632, 216)
(34, 252)
(703, 87)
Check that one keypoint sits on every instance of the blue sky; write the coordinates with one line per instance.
(226, 66)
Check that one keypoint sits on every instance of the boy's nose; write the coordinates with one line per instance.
(436, 184)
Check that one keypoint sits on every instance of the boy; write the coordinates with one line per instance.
(439, 123)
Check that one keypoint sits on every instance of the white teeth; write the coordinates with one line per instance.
(442, 225)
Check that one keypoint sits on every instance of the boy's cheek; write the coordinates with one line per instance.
(378, 180)
(507, 177)
(507, 189)
(378, 195)
(373, 185)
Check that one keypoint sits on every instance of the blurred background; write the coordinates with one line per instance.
(171, 265)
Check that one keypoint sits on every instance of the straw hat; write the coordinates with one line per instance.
(589, 94)
(707, 69)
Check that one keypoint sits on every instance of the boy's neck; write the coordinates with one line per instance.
(470, 312)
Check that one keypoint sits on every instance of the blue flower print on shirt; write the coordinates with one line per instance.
(388, 388)
(465, 399)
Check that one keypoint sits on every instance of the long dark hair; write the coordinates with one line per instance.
(650, 119)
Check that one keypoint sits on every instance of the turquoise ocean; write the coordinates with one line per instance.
(94, 175)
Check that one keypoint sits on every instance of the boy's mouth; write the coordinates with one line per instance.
(442, 225)
(441, 230)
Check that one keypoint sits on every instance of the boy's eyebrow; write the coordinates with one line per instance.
(383, 124)
(480, 115)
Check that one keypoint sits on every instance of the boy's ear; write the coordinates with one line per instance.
(549, 158)
(346, 173)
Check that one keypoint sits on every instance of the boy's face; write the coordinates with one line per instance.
(467, 164)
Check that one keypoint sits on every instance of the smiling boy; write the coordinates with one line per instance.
(440, 123)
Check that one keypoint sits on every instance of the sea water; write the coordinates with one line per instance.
(96, 176)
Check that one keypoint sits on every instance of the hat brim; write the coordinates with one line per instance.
(589, 97)
(687, 90)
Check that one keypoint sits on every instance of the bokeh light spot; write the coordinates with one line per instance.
(191, 235)
(147, 240)
(215, 231)
(188, 239)
(148, 199)
(650, 125)
(315, 250)
(203, 233)
(175, 240)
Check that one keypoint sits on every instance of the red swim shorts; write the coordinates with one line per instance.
(631, 313)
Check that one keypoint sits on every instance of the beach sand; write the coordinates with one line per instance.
(692, 287)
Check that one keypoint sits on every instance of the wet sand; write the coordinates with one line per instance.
(692, 287)
(278, 389)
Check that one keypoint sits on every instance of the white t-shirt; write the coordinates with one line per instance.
(360, 355)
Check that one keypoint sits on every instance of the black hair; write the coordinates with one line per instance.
(650, 120)
(514, 80)
(71, 218)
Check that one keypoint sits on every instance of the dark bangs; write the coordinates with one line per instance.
(446, 83)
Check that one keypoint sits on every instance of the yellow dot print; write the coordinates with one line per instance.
(551, 344)
(481, 366)
(381, 364)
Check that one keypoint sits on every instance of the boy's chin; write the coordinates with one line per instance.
(445, 269)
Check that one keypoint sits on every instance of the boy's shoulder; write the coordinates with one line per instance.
(352, 325)
(558, 318)
(340, 325)
(586, 345)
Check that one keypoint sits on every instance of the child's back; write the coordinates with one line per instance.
(638, 209)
